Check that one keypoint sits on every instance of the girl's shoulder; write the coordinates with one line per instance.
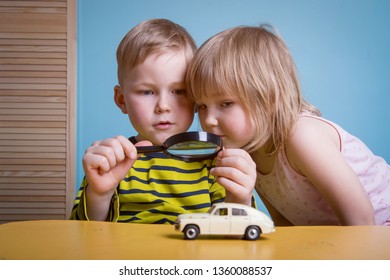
(311, 137)
(311, 128)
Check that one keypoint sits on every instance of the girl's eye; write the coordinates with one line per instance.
(180, 91)
(201, 107)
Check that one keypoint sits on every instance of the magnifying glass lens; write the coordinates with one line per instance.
(193, 149)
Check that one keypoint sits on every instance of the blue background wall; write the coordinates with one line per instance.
(341, 48)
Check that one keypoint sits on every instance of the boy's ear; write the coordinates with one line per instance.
(119, 99)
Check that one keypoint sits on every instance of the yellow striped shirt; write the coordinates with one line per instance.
(157, 189)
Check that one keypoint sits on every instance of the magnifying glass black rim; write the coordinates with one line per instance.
(200, 136)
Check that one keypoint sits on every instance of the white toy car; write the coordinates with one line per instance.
(225, 219)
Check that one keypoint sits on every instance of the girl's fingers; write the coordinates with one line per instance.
(235, 153)
(236, 158)
(236, 192)
(233, 177)
(236, 171)
(227, 172)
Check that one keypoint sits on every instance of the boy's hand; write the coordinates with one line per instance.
(106, 163)
(236, 171)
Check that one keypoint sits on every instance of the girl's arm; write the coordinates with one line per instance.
(313, 150)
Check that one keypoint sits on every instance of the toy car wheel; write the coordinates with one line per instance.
(191, 232)
(252, 233)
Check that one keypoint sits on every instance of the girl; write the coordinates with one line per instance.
(310, 171)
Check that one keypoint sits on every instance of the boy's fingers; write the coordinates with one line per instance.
(128, 147)
(143, 143)
(95, 161)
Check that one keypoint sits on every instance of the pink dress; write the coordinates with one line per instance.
(300, 202)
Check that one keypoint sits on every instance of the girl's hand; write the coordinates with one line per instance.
(236, 172)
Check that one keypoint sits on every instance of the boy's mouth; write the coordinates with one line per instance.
(163, 125)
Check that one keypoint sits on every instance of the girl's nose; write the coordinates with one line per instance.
(210, 119)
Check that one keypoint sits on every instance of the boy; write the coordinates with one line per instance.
(119, 187)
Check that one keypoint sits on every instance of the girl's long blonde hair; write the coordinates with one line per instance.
(255, 65)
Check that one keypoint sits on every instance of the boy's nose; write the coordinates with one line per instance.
(162, 104)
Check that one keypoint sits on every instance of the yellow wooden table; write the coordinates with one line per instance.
(80, 240)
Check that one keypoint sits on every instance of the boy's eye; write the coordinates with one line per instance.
(146, 92)
(227, 104)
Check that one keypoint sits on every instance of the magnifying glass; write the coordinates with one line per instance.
(188, 146)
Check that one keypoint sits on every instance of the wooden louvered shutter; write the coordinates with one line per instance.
(37, 109)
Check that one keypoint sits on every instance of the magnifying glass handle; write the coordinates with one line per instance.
(149, 149)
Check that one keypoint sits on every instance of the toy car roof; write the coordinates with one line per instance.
(237, 205)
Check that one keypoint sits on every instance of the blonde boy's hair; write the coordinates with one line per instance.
(255, 65)
(152, 36)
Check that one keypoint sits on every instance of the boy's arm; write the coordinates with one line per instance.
(80, 209)
(105, 164)
(98, 206)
